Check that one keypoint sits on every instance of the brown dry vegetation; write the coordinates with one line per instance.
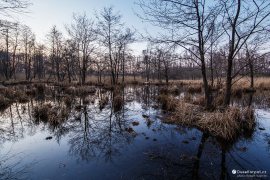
(79, 91)
(118, 103)
(103, 102)
(118, 100)
(48, 113)
(242, 85)
(226, 124)
(9, 95)
(167, 102)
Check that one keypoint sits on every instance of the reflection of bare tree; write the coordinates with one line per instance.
(196, 168)
(223, 172)
(99, 134)
(13, 122)
(12, 167)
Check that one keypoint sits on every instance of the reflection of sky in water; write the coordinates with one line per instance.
(98, 146)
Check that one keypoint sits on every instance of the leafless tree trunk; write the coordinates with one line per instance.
(189, 25)
(242, 20)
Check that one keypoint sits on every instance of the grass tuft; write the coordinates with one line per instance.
(52, 114)
(227, 125)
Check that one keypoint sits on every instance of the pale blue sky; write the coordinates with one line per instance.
(46, 13)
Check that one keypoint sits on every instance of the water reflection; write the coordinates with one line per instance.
(122, 131)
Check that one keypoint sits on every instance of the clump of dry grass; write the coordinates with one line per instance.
(199, 100)
(185, 113)
(188, 98)
(68, 101)
(103, 102)
(237, 92)
(163, 90)
(194, 88)
(218, 100)
(41, 113)
(11, 95)
(118, 103)
(248, 118)
(4, 102)
(70, 90)
(228, 124)
(80, 91)
(40, 88)
(167, 102)
(47, 113)
(197, 82)
(30, 91)
(221, 124)
(169, 90)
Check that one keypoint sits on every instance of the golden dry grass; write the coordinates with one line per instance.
(80, 90)
(227, 124)
(221, 124)
(260, 83)
(167, 102)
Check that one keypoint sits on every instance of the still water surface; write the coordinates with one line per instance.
(132, 143)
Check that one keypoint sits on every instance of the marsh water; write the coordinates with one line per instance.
(128, 143)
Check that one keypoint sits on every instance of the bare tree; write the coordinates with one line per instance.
(39, 65)
(109, 24)
(242, 20)
(83, 32)
(55, 38)
(28, 39)
(69, 57)
(124, 39)
(189, 25)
